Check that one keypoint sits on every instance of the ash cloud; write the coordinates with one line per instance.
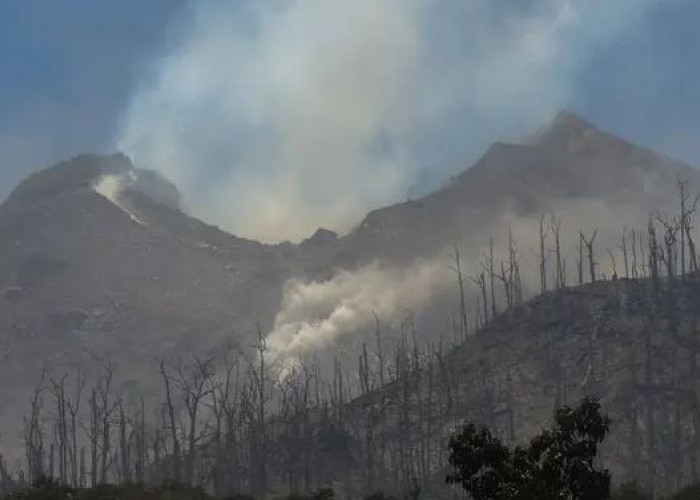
(314, 315)
(276, 117)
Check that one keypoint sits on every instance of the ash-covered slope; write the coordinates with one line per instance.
(632, 343)
(69, 244)
(94, 262)
(94, 232)
(570, 168)
(96, 257)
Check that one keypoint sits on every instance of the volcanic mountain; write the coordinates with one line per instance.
(98, 260)
(570, 169)
(98, 264)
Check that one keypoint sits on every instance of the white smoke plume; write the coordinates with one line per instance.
(111, 187)
(314, 315)
(275, 118)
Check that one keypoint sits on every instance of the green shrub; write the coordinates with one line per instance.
(47, 489)
(379, 495)
(319, 494)
(689, 493)
(629, 491)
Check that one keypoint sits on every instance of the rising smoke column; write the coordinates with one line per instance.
(275, 118)
(316, 314)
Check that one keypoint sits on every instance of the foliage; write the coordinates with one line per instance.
(689, 493)
(559, 463)
(629, 491)
(48, 489)
(379, 495)
(44, 489)
(319, 494)
(240, 496)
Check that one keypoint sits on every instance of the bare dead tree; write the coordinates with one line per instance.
(140, 465)
(518, 284)
(563, 272)
(58, 390)
(259, 378)
(194, 382)
(457, 269)
(379, 351)
(635, 273)
(73, 405)
(589, 242)
(480, 282)
(683, 200)
(94, 436)
(543, 256)
(688, 209)
(555, 225)
(613, 263)
(363, 370)
(124, 450)
(34, 435)
(81, 480)
(623, 247)
(506, 281)
(643, 257)
(653, 256)
(671, 229)
(5, 477)
(223, 395)
(492, 280)
(234, 415)
(515, 283)
(52, 455)
(580, 258)
(107, 406)
(175, 452)
(509, 275)
(482, 285)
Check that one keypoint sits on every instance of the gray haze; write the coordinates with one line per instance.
(277, 118)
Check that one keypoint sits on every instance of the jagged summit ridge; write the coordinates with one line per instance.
(78, 173)
(93, 172)
(82, 275)
(567, 130)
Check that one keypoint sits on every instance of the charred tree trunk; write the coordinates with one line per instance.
(589, 242)
(555, 224)
(175, 452)
(543, 257)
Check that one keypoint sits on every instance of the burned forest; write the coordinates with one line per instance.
(349, 250)
(239, 421)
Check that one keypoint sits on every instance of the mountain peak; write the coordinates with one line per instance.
(85, 171)
(566, 131)
(566, 119)
(322, 237)
(80, 172)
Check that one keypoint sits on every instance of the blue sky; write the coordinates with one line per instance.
(646, 84)
(66, 70)
(80, 75)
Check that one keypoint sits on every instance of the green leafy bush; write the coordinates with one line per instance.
(629, 491)
(559, 463)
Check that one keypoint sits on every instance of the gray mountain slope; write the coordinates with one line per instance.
(564, 167)
(83, 277)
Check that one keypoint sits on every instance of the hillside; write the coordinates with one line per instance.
(629, 342)
(569, 168)
(98, 260)
(82, 277)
